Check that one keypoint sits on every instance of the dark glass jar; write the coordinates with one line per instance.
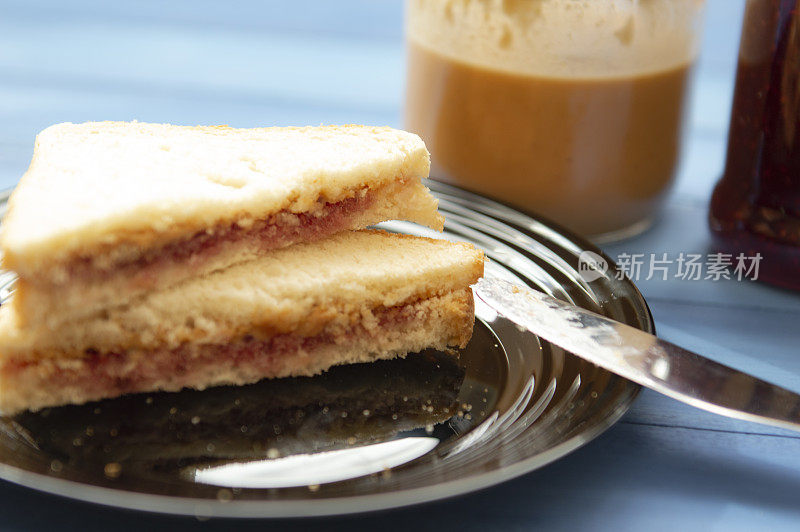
(755, 208)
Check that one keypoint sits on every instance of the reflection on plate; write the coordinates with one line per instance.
(277, 433)
(361, 437)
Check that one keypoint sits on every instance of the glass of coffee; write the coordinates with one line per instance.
(570, 109)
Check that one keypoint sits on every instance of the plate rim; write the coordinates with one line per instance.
(249, 509)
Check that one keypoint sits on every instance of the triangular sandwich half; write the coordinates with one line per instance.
(110, 210)
(354, 297)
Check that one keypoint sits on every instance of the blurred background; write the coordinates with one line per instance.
(310, 62)
(259, 63)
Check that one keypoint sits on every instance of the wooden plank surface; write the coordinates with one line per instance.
(665, 466)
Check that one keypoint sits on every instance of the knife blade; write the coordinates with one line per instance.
(643, 358)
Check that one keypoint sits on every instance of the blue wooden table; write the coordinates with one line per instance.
(665, 466)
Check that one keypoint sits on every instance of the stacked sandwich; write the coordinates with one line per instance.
(157, 257)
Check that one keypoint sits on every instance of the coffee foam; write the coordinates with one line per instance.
(584, 39)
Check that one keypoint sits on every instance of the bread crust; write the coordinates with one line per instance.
(301, 286)
(437, 322)
(112, 183)
(73, 292)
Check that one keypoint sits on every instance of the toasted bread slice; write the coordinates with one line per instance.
(110, 210)
(354, 297)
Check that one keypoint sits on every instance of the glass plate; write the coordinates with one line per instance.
(357, 438)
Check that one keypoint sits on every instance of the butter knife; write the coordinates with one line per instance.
(643, 358)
